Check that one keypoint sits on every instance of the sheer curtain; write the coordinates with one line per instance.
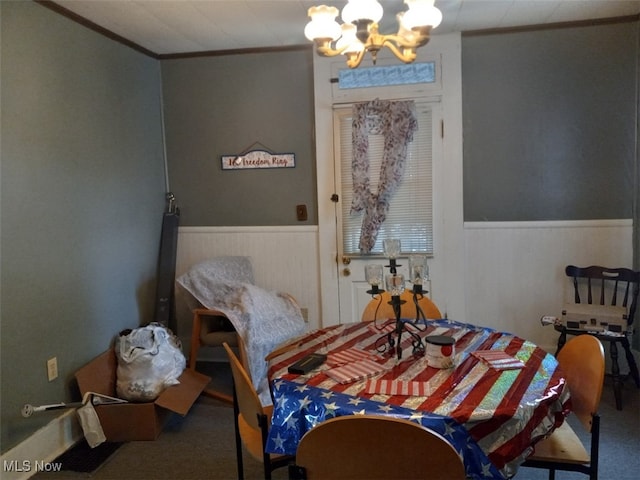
(396, 120)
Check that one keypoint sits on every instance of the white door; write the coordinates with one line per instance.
(410, 217)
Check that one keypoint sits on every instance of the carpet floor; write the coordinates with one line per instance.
(201, 445)
(82, 458)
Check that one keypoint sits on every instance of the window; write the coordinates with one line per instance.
(381, 76)
(410, 216)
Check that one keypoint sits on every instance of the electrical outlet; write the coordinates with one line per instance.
(52, 368)
(305, 314)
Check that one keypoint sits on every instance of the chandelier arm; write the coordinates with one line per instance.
(403, 42)
(405, 52)
(324, 48)
(354, 59)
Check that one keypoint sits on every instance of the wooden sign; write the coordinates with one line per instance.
(258, 159)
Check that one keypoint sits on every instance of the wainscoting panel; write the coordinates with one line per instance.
(515, 270)
(284, 258)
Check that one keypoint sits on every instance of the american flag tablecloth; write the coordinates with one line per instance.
(492, 416)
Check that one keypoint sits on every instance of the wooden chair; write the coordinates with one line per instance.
(582, 363)
(370, 447)
(597, 285)
(379, 308)
(251, 420)
(211, 328)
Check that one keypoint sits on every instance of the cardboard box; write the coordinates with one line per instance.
(125, 422)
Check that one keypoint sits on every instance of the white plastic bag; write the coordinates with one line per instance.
(150, 359)
(93, 433)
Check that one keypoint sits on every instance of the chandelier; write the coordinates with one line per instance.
(359, 32)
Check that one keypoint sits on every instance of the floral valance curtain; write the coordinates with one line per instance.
(396, 120)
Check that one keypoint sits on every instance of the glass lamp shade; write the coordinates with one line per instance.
(391, 247)
(407, 34)
(349, 39)
(394, 283)
(421, 13)
(362, 10)
(323, 23)
(373, 275)
(418, 269)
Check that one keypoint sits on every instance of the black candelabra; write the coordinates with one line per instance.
(395, 284)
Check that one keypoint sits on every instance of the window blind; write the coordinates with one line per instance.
(410, 216)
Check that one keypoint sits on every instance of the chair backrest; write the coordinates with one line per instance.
(376, 447)
(582, 363)
(249, 404)
(606, 286)
(379, 308)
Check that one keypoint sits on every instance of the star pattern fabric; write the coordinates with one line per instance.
(300, 407)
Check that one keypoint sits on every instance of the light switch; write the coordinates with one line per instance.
(301, 212)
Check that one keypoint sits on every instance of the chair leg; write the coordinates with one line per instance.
(236, 412)
(631, 361)
(562, 339)
(223, 397)
(193, 358)
(615, 373)
(195, 340)
(595, 447)
(552, 474)
(266, 458)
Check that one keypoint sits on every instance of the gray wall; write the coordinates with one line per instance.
(550, 123)
(82, 187)
(220, 106)
(82, 197)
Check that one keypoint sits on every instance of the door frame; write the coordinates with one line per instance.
(352, 286)
(447, 267)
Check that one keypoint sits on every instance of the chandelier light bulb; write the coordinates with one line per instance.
(408, 34)
(421, 13)
(348, 40)
(323, 23)
(356, 10)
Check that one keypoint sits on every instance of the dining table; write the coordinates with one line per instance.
(496, 398)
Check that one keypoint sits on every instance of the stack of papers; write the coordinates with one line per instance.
(352, 372)
(498, 359)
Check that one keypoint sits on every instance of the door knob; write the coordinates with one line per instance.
(346, 272)
(346, 260)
